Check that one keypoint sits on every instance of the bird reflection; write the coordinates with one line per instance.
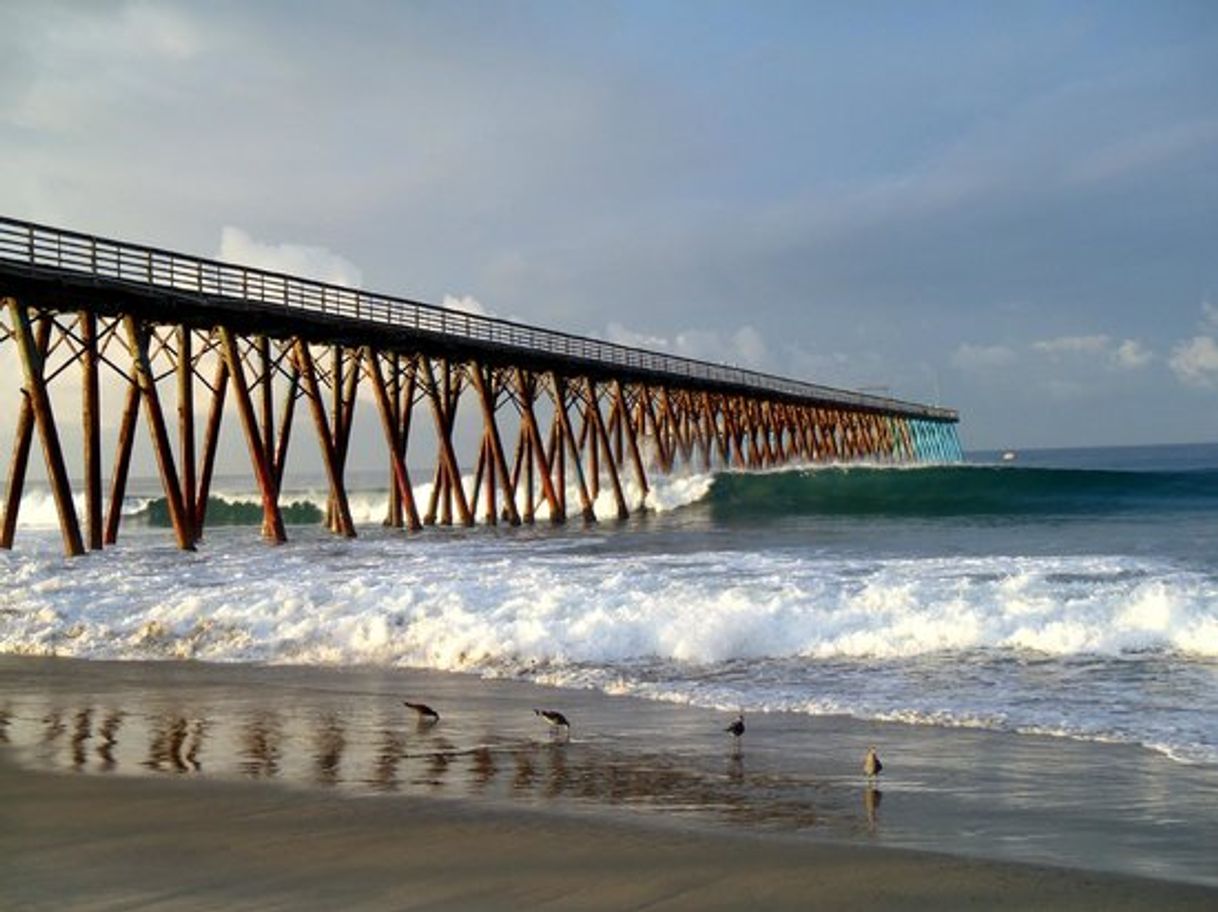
(5, 715)
(54, 726)
(735, 768)
(390, 753)
(260, 746)
(526, 772)
(165, 749)
(81, 733)
(108, 731)
(195, 744)
(438, 762)
(557, 779)
(330, 743)
(872, 797)
(483, 767)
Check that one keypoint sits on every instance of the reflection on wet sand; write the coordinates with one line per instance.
(872, 797)
(482, 769)
(165, 748)
(5, 715)
(330, 743)
(391, 751)
(81, 733)
(332, 750)
(437, 763)
(260, 738)
(108, 731)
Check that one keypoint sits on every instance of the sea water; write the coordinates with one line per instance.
(1069, 593)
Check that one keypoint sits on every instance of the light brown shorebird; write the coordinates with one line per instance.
(427, 715)
(871, 763)
(736, 729)
(555, 719)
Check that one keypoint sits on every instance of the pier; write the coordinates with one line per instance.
(565, 421)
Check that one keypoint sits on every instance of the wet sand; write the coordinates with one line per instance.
(181, 786)
(80, 842)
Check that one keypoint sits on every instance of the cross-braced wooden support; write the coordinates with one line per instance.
(539, 441)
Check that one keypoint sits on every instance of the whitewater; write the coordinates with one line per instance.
(1078, 598)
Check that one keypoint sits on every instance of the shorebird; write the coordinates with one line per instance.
(427, 715)
(555, 718)
(871, 763)
(736, 729)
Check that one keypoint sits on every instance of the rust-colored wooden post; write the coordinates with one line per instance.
(563, 423)
(483, 385)
(393, 516)
(444, 413)
(640, 473)
(122, 461)
(264, 473)
(22, 439)
(211, 439)
(389, 425)
(186, 428)
(601, 437)
(44, 420)
(286, 414)
(338, 492)
(91, 428)
(527, 384)
(183, 527)
(266, 393)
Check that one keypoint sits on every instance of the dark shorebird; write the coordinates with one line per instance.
(736, 729)
(555, 719)
(871, 763)
(427, 715)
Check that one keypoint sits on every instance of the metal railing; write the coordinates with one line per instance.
(42, 248)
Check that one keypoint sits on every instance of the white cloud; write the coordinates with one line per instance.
(466, 304)
(1209, 315)
(982, 357)
(1195, 362)
(746, 347)
(1131, 355)
(616, 332)
(1071, 345)
(237, 246)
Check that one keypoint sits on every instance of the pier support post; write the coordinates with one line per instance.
(272, 527)
(44, 420)
(91, 429)
(183, 527)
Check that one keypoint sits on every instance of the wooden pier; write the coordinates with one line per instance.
(565, 421)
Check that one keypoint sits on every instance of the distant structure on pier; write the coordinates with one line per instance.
(563, 418)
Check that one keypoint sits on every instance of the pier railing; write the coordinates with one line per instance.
(41, 248)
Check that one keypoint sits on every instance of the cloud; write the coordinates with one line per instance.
(1209, 315)
(237, 246)
(466, 304)
(1071, 345)
(746, 347)
(1195, 362)
(1131, 355)
(970, 357)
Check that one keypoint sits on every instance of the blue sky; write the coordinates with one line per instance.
(1007, 208)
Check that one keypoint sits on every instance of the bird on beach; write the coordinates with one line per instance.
(427, 715)
(871, 763)
(736, 729)
(555, 719)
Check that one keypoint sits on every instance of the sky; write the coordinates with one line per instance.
(1006, 208)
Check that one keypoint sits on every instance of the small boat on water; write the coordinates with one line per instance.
(1008, 456)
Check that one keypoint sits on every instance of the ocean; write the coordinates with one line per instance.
(1065, 596)
(1070, 592)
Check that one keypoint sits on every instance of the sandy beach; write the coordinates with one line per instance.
(164, 810)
